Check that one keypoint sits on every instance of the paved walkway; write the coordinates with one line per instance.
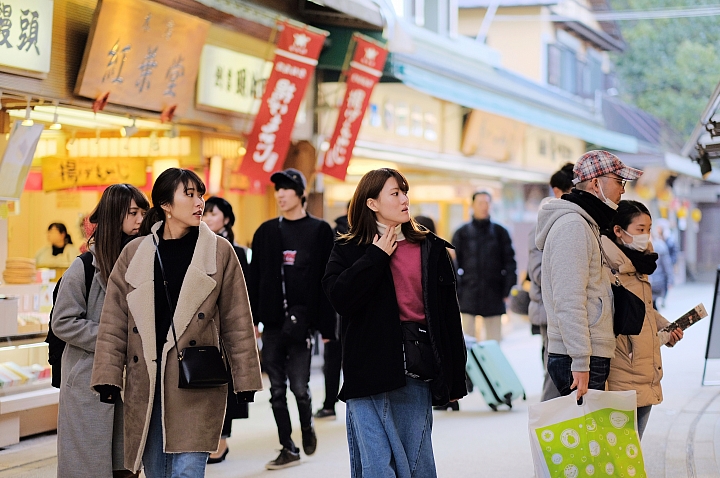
(682, 438)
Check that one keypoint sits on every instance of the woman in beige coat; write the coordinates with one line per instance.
(171, 431)
(637, 364)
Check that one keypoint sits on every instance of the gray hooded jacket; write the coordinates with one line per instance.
(576, 292)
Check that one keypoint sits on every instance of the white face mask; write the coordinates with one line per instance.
(606, 200)
(640, 242)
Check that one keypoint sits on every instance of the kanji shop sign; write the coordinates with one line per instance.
(365, 70)
(68, 173)
(229, 80)
(295, 59)
(26, 36)
(143, 54)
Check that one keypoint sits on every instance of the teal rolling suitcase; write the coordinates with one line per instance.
(492, 374)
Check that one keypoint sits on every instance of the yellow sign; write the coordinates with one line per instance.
(492, 136)
(67, 173)
(142, 54)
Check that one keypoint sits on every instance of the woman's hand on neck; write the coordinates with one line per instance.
(174, 229)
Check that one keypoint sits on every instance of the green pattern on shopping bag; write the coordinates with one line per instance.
(599, 444)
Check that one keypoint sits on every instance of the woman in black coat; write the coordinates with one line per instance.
(390, 279)
(219, 217)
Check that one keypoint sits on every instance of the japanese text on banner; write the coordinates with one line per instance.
(363, 74)
(269, 141)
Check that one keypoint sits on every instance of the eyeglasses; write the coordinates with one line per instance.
(622, 182)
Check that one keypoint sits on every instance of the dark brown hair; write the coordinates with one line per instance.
(163, 192)
(108, 218)
(362, 219)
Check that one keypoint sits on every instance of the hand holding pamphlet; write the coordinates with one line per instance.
(687, 319)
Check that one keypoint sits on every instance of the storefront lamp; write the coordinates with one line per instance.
(28, 121)
(705, 166)
(55, 124)
(128, 131)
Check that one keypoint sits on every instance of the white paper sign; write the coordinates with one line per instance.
(17, 158)
(230, 80)
(26, 35)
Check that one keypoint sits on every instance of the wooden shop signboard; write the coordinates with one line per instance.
(142, 54)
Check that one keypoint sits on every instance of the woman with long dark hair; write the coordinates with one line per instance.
(61, 251)
(89, 432)
(180, 266)
(637, 364)
(220, 218)
(393, 284)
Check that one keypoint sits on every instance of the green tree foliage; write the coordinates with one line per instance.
(670, 66)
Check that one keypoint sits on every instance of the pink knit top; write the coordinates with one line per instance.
(406, 268)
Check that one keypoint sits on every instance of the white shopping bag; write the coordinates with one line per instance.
(597, 438)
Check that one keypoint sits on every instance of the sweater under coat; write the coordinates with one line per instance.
(359, 282)
(212, 300)
(637, 364)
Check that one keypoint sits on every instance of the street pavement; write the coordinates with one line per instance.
(682, 438)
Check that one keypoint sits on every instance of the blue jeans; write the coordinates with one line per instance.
(287, 362)
(389, 434)
(643, 415)
(159, 464)
(559, 369)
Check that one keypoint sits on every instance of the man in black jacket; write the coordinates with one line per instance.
(486, 269)
(289, 255)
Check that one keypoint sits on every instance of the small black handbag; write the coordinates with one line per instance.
(202, 366)
(420, 360)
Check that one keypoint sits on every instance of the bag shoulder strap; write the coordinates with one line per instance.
(604, 258)
(87, 259)
(282, 270)
(167, 296)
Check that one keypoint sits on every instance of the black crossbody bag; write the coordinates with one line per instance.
(202, 366)
(417, 350)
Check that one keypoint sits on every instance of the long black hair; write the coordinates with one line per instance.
(163, 192)
(226, 209)
(62, 230)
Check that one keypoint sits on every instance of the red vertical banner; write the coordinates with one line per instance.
(296, 56)
(363, 74)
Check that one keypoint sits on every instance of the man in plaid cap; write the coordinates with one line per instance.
(576, 293)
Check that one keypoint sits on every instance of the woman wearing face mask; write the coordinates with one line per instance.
(219, 217)
(637, 364)
(391, 280)
(90, 432)
(180, 266)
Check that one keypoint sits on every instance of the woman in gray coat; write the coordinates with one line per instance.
(90, 434)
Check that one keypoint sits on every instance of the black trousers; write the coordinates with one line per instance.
(332, 355)
(287, 363)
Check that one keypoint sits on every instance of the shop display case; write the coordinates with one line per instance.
(28, 402)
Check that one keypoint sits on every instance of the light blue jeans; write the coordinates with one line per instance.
(389, 434)
(159, 464)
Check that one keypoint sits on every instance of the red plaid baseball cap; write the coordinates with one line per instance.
(594, 164)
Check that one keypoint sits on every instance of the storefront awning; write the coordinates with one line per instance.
(452, 163)
(472, 96)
